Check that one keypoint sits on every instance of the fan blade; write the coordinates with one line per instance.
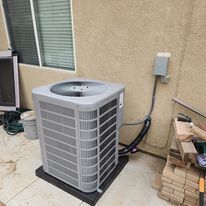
(79, 89)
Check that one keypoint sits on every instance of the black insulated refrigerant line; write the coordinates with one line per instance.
(147, 122)
(138, 139)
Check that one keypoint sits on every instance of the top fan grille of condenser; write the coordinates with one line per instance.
(79, 88)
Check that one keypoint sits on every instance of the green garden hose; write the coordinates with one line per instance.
(10, 121)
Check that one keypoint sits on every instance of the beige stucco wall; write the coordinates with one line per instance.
(192, 78)
(31, 77)
(117, 40)
(3, 36)
(192, 85)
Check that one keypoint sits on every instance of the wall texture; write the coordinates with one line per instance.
(31, 77)
(3, 37)
(192, 87)
(117, 40)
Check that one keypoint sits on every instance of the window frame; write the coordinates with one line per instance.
(73, 70)
(16, 84)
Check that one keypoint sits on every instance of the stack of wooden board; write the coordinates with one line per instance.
(182, 154)
(182, 151)
(187, 151)
(180, 185)
(175, 156)
(180, 177)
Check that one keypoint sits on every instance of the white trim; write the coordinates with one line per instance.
(5, 25)
(4, 108)
(16, 81)
(5, 54)
(30, 66)
(74, 45)
(35, 32)
(16, 85)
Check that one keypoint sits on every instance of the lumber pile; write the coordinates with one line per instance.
(180, 177)
(175, 156)
(180, 185)
(182, 130)
(182, 152)
(187, 151)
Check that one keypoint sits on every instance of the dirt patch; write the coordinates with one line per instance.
(7, 167)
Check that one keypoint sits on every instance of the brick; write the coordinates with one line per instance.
(179, 194)
(180, 172)
(163, 197)
(168, 170)
(173, 202)
(193, 174)
(192, 184)
(178, 179)
(191, 199)
(166, 179)
(178, 199)
(189, 188)
(166, 194)
(173, 187)
(178, 184)
(188, 203)
(167, 189)
(191, 194)
(172, 197)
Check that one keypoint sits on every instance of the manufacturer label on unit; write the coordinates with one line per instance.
(163, 54)
(121, 100)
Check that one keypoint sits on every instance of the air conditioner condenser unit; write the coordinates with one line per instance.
(78, 125)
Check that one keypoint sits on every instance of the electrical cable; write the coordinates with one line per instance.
(151, 107)
(10, 122)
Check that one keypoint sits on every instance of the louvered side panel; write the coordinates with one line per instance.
(59, 134)
(107, 136)
(88, 150)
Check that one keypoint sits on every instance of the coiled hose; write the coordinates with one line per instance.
(10, 122)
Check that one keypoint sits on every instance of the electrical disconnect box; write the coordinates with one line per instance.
(161, 65)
